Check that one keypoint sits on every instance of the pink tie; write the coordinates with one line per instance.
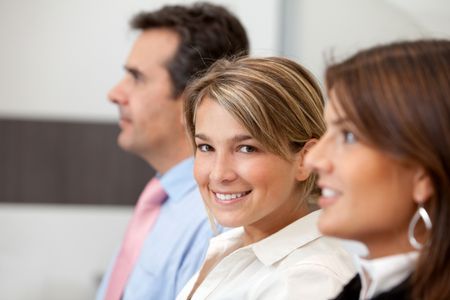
(145, 214)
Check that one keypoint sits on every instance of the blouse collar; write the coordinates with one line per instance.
(382, 274)
(276, 246)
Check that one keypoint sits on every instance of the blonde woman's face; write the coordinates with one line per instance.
(242, 183)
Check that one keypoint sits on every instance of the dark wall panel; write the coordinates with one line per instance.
(67, 162)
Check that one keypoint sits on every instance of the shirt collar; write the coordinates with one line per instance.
(274, 247)
(179, 179)
(382, 274)
(278, 245)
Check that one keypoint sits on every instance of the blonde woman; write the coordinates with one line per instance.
(251, 122)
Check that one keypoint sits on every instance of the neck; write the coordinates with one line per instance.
(385, 248)
(165, 158)
(258, 231)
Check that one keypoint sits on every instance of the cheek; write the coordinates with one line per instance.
(252, 171)
(201, 169)
(268, 178)
(142, 112)
(360, 176)
(380, 194)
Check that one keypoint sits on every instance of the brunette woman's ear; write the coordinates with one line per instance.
(423, 188)
(303, 171)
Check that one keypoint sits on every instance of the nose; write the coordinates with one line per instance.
(318, 158)
(117, 94)
(222, 169)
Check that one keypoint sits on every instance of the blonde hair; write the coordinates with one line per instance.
(275, 99)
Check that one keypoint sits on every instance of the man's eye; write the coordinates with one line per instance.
(137, 77)
(247, 149)
(204, 148)
(349, 137)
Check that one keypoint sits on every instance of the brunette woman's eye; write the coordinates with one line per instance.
(349, 137)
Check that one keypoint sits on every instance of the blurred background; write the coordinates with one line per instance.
(66, 189)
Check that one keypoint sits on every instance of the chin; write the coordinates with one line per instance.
(126, 143)
(123, 141)
(126, 147)
(228, 222)
(327, 226)
(336, 229)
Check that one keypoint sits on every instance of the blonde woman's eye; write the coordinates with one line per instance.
(349, 137)
(247, 149)
(204, 148)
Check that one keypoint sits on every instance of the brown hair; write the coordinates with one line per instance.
(398, 98)
(207, 33)
(275, 99)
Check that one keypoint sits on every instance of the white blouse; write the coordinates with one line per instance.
(293, 263)
(382, 274)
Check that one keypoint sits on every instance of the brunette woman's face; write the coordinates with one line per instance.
(366, 194)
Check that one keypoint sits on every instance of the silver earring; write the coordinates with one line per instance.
(421, 213)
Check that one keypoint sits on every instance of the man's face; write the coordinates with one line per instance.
(150, 116)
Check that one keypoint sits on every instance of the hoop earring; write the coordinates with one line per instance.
(421, 213)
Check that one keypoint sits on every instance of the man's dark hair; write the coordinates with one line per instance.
(207, 33)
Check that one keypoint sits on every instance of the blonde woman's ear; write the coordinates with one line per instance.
(303, 172)
(423, 187)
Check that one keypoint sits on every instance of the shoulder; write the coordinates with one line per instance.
(187, 207)
(351, 290)
(323, 256)
(399, 292)
(317, 270)
(181, 227)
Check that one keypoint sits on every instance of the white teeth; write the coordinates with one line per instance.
(328, 193)
(227, 197)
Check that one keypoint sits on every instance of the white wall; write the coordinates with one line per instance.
(50, 252)
(318, 29)
(59, 58)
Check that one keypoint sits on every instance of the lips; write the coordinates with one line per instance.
(123, 123)
(230, 197)
(328, 197)
(124, 116)
(328, 193)
(124, 119)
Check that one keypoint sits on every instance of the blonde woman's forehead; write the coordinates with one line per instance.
(215, 122)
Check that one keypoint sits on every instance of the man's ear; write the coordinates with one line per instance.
(303, 172)
(422, 186)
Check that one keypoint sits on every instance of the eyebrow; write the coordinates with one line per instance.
(133, 71)
(340, 121)
(236, 139)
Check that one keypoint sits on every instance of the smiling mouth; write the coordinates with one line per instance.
(329, 193)
(328, 197)
(230, 196)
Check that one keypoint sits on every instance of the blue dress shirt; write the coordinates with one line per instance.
(175, 247)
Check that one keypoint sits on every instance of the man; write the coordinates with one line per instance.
(175, 43)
